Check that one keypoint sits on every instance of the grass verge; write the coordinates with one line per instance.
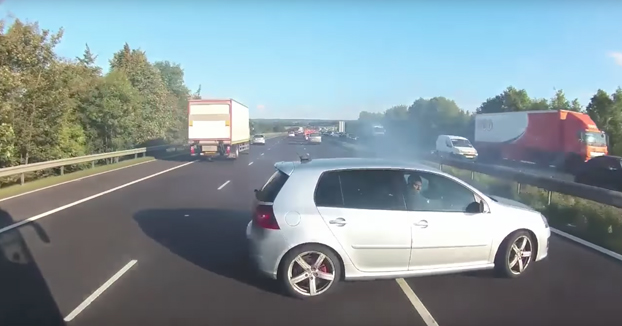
(53, 180)
(594, 222)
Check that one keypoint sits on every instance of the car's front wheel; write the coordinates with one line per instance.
(309, 271)
(515, 255)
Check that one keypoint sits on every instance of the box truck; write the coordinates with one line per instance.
(564, 139)
(218, 128)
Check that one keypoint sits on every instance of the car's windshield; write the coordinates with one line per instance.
(258, 136)
(459, 142)
(315, 135)
(595, 138)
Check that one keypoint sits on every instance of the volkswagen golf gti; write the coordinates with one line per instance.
(319, 222)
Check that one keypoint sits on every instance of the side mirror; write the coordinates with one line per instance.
(475, 207)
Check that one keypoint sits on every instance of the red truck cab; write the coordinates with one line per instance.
(564, 139)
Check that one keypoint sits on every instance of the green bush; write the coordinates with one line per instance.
(594, 222)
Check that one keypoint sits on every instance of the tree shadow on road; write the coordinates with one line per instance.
(213, 239)
(25, 299)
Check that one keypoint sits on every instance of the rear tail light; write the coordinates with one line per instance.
(191, 149)
(228, 149)
(264, 217)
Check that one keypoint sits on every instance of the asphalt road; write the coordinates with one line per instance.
(169, 250)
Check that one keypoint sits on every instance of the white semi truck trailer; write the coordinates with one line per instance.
(218, 128)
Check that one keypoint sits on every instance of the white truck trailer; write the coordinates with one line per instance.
(218, 128)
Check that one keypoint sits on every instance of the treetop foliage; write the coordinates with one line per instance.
(53, 107)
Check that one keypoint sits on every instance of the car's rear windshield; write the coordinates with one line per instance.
(258, 136)
(315, 135)
(271, 189)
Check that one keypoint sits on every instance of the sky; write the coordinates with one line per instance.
(332, 59)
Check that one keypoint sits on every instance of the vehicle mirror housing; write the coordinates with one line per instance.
(475, 207)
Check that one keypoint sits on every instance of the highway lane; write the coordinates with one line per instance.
(44, 200)
(391, 149)
(195, 272)
(574, 286)
(65, 266)
(187, 239)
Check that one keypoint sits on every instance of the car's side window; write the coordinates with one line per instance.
(372, 189)
(436, 193)
(328, 190)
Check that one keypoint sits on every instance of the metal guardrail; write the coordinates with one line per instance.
(599, 195)
(551, 185)
(61, 163)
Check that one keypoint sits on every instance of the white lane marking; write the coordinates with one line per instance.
(417, 304)
(262, 154)
(587, 244)
(99, 291)
(77, 202)
(73, 180)
(251, 163)
(224, 184)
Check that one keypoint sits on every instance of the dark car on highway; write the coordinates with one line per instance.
(602, 171)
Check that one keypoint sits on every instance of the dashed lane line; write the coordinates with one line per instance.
(224, 184)
(99, 291)
(416, 302)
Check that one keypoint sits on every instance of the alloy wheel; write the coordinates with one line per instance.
(311, 273)
(520, 255)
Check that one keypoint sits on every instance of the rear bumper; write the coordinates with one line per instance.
(265, 249)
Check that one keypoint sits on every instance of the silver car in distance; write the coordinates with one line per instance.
(322, 221)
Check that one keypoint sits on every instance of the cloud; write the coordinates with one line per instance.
(260, 107)
(617, 57)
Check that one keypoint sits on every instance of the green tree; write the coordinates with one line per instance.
(36, 94)
(173, 78)
(510, 100)
(155, 117)
(559, 101)
(109, 111)
(606, 111)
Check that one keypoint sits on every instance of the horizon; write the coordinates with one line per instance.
(327, 62)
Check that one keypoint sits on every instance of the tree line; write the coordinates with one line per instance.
(425, 119)
(53, 107)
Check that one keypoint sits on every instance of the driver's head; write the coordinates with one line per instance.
(414, 182)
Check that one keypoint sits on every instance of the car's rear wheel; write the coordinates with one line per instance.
(310, 271)
(515, 255)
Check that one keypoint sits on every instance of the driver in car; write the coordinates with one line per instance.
(414, 198)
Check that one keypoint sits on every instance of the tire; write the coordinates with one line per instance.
(506, 254)
(330, 265)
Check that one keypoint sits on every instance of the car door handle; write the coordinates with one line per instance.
(338, 222)
(422, 224)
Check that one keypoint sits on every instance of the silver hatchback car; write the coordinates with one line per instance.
(319, 222)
